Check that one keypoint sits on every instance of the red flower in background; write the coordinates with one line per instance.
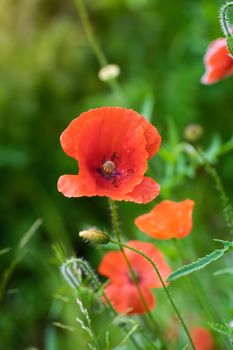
(202, 339)
(112, 146)
(218, 62)
(167, 220)
(121, 289)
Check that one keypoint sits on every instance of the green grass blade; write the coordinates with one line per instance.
(4, 251)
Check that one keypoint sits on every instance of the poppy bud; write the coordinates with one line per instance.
(95, 236)
(193, 132)
(108, 72)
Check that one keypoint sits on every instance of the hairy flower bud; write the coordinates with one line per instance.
(95, 236)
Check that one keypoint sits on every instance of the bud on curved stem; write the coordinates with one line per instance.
(226, 26)
(94, 236)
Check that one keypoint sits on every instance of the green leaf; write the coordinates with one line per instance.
(223, 328)
(223, 271)
(20, 253)
(226, 244)
(4, 251)
(197, 265)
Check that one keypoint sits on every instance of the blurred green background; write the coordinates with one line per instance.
(49, 75)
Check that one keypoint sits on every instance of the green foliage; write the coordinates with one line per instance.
(49, 74)
(197, 265)
(223, 328)
(21, 251)
(201, 262)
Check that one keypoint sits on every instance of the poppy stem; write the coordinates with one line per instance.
(198, 291)
(90, 34)
(117, 231)
(164, 287)
(226, 26)
(227, 208)
(102, 59)
(193, 285)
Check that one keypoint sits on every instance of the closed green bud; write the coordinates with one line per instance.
(95, 236)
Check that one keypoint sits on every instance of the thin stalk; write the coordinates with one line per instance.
(75, 284)
(99, 53)
(164, 288)
(227, 209)
(196, 292)
(117, 231)
(108, 302)
(90, 33)
(199, 292)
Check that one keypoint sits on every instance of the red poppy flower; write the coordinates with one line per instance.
(167, 220)
(202, 339)
(218, 62)
(112, 146)
(121, 289)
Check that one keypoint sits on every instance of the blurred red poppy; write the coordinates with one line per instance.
(202, 339)
(218, 62)
(121, 289)
(112, 146)
(167, 220)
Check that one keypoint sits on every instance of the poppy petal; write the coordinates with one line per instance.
(167, 220)
(71, 186)
(114, 266)
(145, 271)
(218, 62)
(126, 299)
(70, 135)
(145, 192)
(202, 339)
(152, 137)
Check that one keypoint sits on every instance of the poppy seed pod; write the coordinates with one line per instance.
(95, 236)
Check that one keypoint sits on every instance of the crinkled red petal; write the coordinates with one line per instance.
(144, 193)
(70, 136)
(145, 271)
(218, 62)
(167, 220)
(202, 339)
(114, 266)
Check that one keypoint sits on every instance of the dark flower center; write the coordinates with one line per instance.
(108, 167)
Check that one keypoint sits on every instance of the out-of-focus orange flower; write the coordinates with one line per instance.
(121, 289)
(112, 146)
(167, 220)
(218, 62)
(202, 339)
